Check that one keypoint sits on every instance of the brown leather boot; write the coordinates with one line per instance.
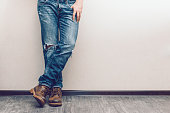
(55, 98)
(39, 93)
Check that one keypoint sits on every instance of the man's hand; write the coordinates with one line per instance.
(77, 8)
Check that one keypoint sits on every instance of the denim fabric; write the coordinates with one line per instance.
(59, 34)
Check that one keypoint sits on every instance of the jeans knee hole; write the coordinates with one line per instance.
(47, 46)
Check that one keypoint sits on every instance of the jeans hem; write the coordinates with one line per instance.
(45, 84)
(58, 86)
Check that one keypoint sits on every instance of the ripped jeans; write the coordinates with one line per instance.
(59, 34)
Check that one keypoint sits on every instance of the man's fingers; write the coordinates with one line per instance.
(78, 16)
(74, 13)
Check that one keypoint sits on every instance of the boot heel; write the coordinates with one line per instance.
(31, 91)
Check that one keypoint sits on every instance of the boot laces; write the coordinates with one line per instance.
(56, 91)
(43, 90)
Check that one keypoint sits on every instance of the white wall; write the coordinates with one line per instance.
(122, 45)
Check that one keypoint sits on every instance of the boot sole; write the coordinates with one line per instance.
(55, 104)
(39, 99)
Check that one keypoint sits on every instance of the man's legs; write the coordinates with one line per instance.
(54, 16)
(49, 34)
(68, 36)
(57, 52)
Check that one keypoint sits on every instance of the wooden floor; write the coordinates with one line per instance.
(88, 104)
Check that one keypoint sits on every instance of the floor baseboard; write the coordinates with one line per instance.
(89, 92)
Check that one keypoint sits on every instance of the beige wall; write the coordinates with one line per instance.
(122, 45)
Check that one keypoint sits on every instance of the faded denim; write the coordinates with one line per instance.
(59, 34)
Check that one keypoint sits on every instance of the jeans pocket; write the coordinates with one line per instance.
(70, 2)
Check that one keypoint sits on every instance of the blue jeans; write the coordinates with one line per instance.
(59, 34)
